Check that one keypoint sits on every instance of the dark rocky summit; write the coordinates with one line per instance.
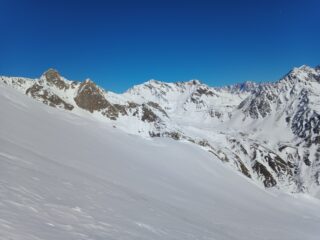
(90, 97)
(53, 77)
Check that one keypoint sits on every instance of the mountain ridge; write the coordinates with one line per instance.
(269, 132)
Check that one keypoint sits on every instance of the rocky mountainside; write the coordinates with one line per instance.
(268, 132)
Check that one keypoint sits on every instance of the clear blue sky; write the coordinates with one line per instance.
(120, 43)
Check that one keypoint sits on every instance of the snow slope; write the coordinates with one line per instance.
(66, 176)
(269, 132)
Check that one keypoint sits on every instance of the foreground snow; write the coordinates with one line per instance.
(63, 176)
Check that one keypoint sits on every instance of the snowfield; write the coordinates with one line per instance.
(66, 176)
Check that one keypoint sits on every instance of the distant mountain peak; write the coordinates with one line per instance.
(302, 73)
(301, 69)
(53, 77)
(51, 74)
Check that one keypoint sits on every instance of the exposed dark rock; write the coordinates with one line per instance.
(277, 164)
(222, 156)
(53, 77)
(306, 123)
(153, 134)
(204, 143)
(148, 115)
(121, 109)
(244, 169)
(91, 98)
(262, 171)
(281, 148)
(243, 149)
(158, 107)
(204, 91)
(37, 91)
(316, 140)
(306, 159)
(173, 135)
(214, 113)
(110, 112)
(288, 119)
(133, 105)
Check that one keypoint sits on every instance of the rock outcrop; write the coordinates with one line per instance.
(90, 97)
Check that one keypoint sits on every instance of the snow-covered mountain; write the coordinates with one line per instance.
(66, 173)
(268, 132)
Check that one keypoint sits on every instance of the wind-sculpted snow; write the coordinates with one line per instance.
(269, 132)
(67, 175)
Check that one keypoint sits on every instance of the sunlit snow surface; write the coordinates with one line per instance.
(67, 177)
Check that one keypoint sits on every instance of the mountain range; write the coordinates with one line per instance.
(267, 132)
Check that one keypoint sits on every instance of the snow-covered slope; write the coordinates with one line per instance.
(268, 132)
(68, 175)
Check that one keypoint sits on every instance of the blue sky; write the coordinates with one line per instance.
(121, 43)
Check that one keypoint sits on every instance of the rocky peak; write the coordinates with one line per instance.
(52, 77)
(303, 73)
(90, 97)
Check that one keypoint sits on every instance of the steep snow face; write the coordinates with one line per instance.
(65, 176)
(268, 132)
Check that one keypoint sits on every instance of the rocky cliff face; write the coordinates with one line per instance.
(49, 88)
(90, 97)
(268, 132)
(40, 93)
(53, 78)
